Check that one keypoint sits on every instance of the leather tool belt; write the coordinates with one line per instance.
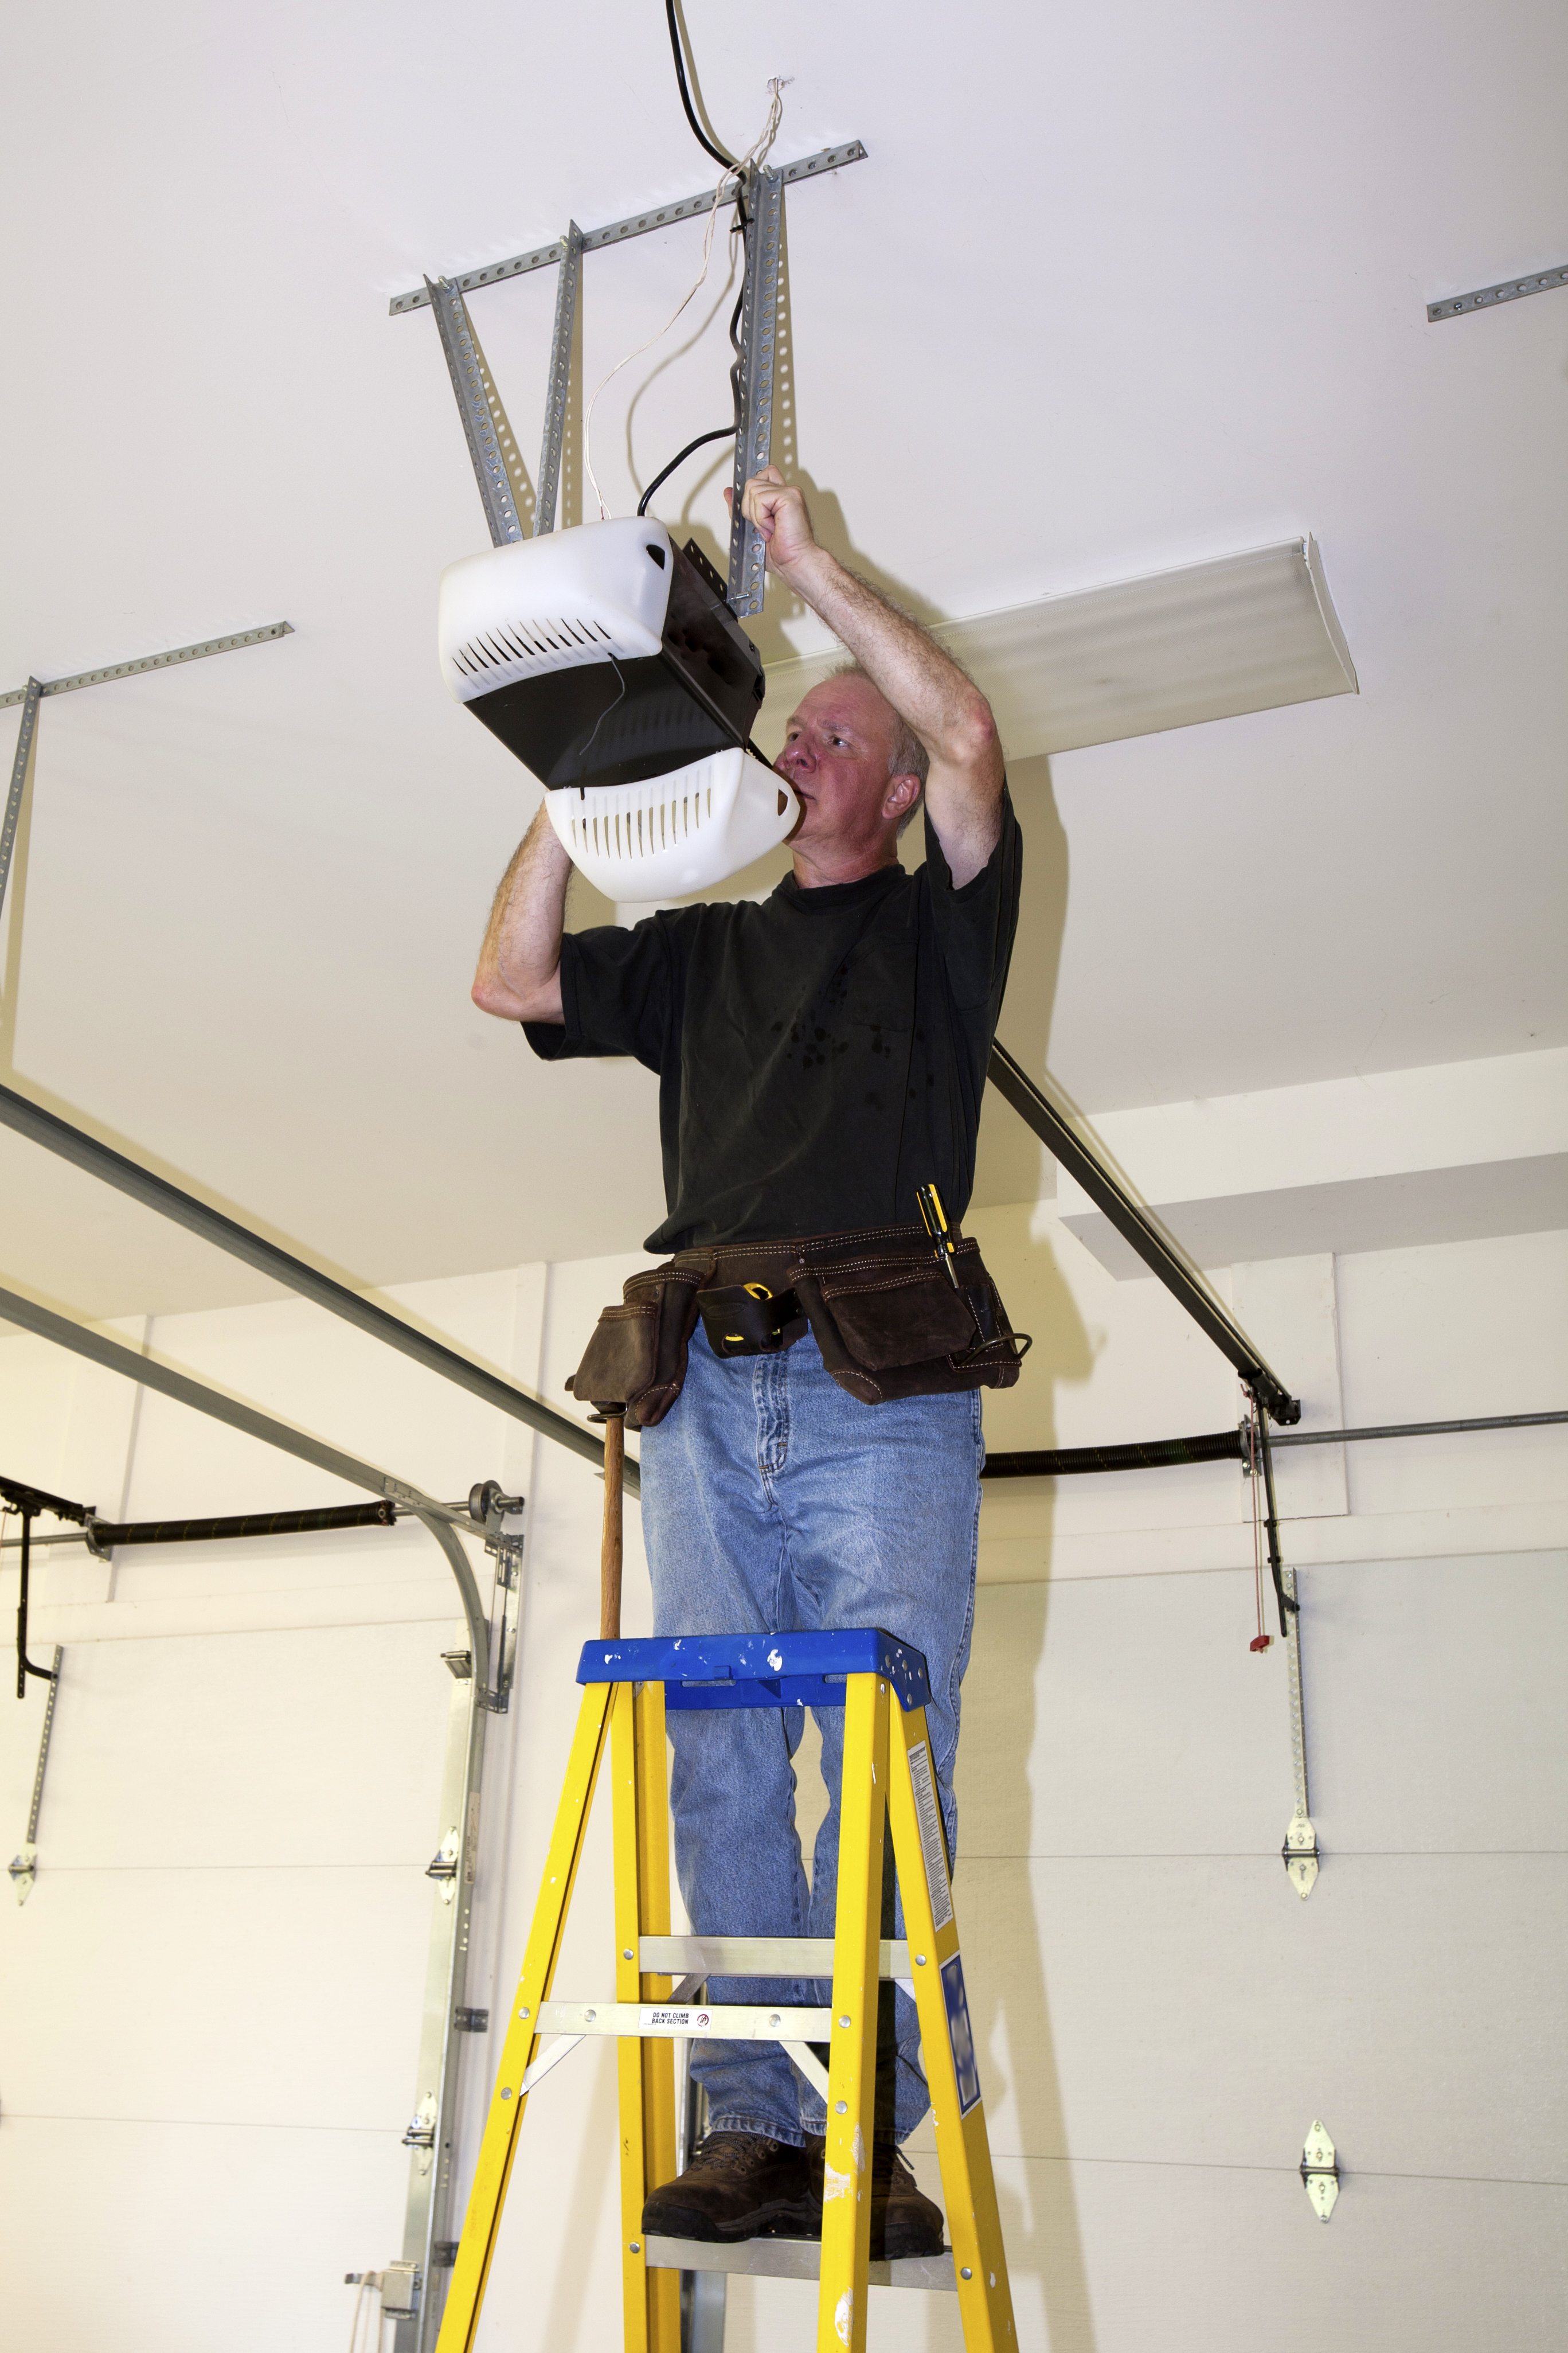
(887, 1318)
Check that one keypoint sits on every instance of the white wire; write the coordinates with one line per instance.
(371, 2280)
(757, 153)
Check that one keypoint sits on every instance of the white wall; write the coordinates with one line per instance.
(212, 1998)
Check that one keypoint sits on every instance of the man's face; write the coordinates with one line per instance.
(835, 754)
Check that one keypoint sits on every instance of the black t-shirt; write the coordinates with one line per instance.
(819, 1056)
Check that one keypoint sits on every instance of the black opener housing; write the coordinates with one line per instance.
(617, 722)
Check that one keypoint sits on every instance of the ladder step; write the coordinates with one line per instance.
(793, 2259)
(729, 2021)
(758, 1956)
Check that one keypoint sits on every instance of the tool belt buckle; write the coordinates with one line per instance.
(747, 1319)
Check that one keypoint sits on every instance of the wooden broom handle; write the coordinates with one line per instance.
(610, 1551)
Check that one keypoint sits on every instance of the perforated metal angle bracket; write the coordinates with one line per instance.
(1511, 290)
(23, 1868)
(559, 377)
(21, 766)
(134, 669)
(492, 445)
(759, 347)
(31, 695)
(643, 223)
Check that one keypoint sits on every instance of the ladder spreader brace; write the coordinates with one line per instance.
(888, 1782)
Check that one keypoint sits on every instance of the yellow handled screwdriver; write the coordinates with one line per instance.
(935, 1218)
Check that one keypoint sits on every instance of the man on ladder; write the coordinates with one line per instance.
(804, 1465)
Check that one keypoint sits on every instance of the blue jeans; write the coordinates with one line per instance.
(774, 1502)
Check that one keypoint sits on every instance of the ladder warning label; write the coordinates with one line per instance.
(932, 1845)
(961, 2035)
(683, 2018)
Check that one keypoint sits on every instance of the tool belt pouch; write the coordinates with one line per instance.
(886, 1319)
(637, 1356)
(746, 1319)
(896, 1326)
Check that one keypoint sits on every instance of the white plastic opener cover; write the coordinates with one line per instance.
(537, 605)
(676, 833)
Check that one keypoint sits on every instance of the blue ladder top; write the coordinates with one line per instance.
(759, 1670)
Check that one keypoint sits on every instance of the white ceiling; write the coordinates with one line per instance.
(1118, 290)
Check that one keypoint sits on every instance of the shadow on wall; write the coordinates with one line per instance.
(1008, 1991)
(1013, 1164)
(1041, 2229)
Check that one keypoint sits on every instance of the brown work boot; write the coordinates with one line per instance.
(737, 2185)
(904, 2221)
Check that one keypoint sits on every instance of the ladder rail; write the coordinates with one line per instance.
(888, 1788)
(645, 2065)
(508, 2098)
(968, 2185)
(848, 2159)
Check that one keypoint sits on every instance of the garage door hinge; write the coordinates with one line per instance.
(1301, 1853)
(1321, 2172)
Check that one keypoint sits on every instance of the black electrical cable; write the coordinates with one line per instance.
(720, 433)
(717, 152)
(735, 328)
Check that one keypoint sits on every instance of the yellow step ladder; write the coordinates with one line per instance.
(888, 1774)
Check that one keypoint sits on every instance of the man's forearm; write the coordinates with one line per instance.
(518, 974)
(903, 661)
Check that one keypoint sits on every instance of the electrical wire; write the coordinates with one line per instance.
(720, 433)
(604, 715)
(723, 432)
(702, 138)
(734, 177)
(370, 2281)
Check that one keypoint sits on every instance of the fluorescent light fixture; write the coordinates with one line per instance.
(1247, 632)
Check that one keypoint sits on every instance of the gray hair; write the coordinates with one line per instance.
(907, 755)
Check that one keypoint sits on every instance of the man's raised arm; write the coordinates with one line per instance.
(946, 710)
(519, 976)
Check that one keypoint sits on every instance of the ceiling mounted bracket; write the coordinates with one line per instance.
(560, 377)
(21, 768)
(31, 695)
(491, 443)
(112, 671)
(643, 223)
(759, 346)
(1512, 289)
